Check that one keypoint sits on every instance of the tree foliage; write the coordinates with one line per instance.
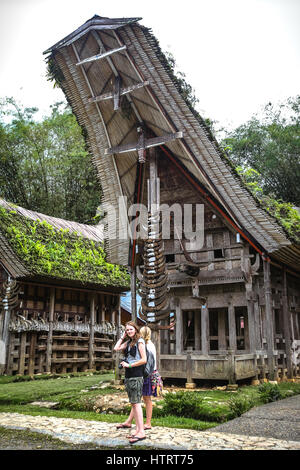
(270, 144)
(283, 212)
(44, 166)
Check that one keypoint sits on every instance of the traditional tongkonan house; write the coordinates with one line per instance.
(59, 298)
(221, 295)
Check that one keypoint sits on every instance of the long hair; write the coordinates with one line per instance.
(146, 333)
(137, 334)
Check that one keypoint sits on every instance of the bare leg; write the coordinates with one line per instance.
(128, 421)
(149, 406)
(130, 417)
(138, 416)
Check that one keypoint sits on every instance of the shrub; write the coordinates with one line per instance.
(239, 405)
(191, 405)
(182, 404)
(269, 392)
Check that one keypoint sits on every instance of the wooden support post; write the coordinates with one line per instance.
(258, 339)
(4, 339)
(22, 349)
(117, 354)
(50, 333)
(189, 373)
(197, 321)
(232, 328)
(204, 330)
(102, 309)
(231, 367)
(251, 326)
(92, 331)
(178, 328)
(269, 320)
(31, 358)
(287, 328)
(221, 331)
(133, 294)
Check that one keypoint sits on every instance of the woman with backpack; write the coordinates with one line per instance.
(151, 386)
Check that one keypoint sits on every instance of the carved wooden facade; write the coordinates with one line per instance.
(234, 296)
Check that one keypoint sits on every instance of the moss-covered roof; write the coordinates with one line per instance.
(43, 250)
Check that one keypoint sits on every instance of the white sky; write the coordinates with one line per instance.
(237, 54)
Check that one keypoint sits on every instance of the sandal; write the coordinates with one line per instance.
(123, 426)
(147, 427)
(136, 439)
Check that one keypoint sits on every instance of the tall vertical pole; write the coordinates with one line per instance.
(178, 328)
(269, 320)
(232, 328)
(92, 331)
(50, 333)
(117, 353)
(287, 327)
(205, 330)
(4, 334)
(133, 294)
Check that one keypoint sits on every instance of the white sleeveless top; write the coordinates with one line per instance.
(152, 348)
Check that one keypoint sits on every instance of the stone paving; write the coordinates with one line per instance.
(105, 434)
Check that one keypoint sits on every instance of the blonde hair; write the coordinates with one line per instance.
(146, 333)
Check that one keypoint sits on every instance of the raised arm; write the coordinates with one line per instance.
(119, 346)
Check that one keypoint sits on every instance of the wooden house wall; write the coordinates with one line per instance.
(61, 330)
(233, 318)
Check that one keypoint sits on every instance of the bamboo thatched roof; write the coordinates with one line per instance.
(37, 247)
(89, 65)
(91, 232)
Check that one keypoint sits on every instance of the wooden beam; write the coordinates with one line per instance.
(100, 56)
(117, 92)
(149, 143)
(123, 91)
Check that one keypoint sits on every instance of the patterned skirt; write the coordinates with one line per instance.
(153, 385)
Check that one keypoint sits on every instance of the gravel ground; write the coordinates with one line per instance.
(279, 420)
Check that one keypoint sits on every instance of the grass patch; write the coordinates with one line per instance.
(77, 394)
(50, 389)
(166, 421)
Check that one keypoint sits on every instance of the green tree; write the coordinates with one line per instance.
(44, 165)
(284, 212)
(270, 144)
